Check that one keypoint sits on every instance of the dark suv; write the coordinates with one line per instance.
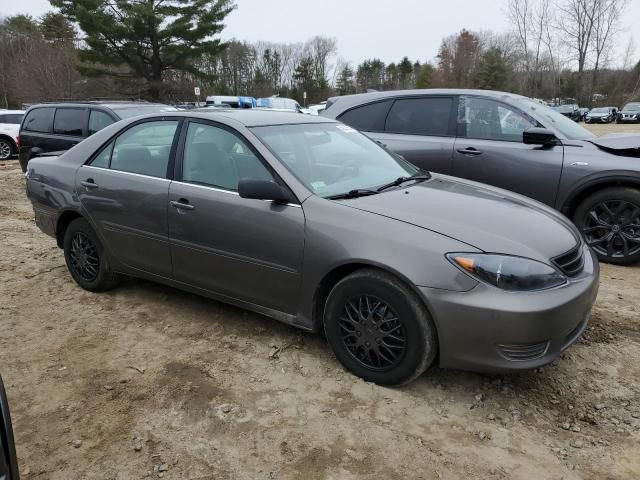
(515, 143)
(52, 127)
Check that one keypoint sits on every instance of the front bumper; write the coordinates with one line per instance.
(634, 119)
(490, 330)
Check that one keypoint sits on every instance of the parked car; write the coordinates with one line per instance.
(231, 101)
(9, 129)
(8, 458)
(630, 113)
(280, 103)
(601, 115)
(515, 143)
(308, 221)
(570, 111)
(53, 127)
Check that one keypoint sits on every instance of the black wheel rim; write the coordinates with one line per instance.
(372, 333)
(612, 228)
(83, 257)
(5, 150)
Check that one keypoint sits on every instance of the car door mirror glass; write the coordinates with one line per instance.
(539, 136)
(263, 190)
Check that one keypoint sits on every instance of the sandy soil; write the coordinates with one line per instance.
(146, 382)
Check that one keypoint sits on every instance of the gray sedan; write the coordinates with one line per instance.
(515, 143)
(310, 222)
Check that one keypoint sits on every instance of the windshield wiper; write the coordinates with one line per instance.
(399, 181)
(358, 192)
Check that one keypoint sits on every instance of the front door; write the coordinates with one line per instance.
(489, 149)
(249, 250)
(124, 191)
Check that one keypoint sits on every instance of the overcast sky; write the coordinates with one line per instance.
(363, 28)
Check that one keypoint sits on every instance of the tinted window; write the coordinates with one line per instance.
(98, 120)
(145, 148)
(39, 120)
(103, 158)
(69, 121)
(487, 119)
(14, 118)
(420, 116)
(368, 117)
(216, 157)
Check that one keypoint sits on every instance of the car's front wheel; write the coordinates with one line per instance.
(379, 329)
(86, 258)
(610, 223)
(6, 149)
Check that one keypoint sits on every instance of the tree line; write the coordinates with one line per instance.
(162, 49)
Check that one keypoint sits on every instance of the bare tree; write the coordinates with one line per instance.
(606, 20)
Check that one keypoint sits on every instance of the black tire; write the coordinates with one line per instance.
(86, 258)
(7, 149)
(369, 345)
(609, 220)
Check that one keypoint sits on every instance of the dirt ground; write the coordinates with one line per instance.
(146, 382)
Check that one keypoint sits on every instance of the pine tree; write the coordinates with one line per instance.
(144, 39)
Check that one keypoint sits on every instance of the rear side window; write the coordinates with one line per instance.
(144, 148)
(69, 121)
(369, 118)
(14, 118)
(420, 116)
(39, 120)
(98, 120)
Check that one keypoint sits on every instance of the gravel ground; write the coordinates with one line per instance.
(147, 382)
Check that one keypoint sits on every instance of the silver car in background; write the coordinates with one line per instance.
(308, 221)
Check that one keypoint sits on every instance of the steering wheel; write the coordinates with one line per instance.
(347, 170)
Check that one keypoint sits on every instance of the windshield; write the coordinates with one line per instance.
(600, 110)
(332, 158)
(632, 106)
(126, 112)
(569, 129)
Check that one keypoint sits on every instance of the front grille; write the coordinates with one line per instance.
(521, 352)
(570, 263)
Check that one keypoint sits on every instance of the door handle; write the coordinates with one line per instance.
(182, 204)
(89, 183)
(469, 151)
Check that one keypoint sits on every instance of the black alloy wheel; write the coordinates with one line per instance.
(609, 221)
(84, 257)
(373, 333)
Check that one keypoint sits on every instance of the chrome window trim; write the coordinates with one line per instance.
(231, 192)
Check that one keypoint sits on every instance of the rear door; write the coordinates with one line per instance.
(124, 190)
(36, 130)
(419, 128)
(489, 149)
(250, 250)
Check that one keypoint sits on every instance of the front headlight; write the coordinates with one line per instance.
(508, 272)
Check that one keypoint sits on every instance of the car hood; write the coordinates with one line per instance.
(630, 111)
(487, 218)
(617, 142)
(598, 114)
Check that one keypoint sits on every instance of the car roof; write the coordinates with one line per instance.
(112, 104)
(4, 112)
(251, 117)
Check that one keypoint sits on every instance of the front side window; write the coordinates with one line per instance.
(486, 119)
(145, 148)
(368, 118)
(331, 158)
(420, 116)
(69, 121)
(39, 120)
(98, 120)
(216, 157)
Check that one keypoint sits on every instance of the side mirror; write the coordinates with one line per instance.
(8, 459)
(539, 136)
(263, 190)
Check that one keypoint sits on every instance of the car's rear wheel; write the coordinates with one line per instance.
(379, 329)
(6, 149)
(86, 258)
(610, 223)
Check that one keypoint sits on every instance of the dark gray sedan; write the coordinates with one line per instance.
(514, 143)
(308, 221)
